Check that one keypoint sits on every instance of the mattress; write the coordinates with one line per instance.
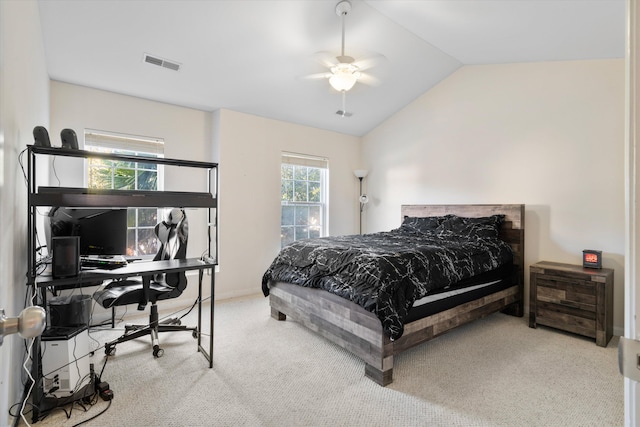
(462, 292)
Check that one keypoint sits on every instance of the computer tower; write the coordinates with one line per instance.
(65, 361)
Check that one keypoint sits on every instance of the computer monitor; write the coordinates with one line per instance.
(101, 231)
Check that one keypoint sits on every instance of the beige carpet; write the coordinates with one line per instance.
(494, 372)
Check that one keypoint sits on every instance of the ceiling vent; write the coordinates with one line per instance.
(160, 62)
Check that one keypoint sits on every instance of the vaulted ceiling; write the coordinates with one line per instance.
(255, 56)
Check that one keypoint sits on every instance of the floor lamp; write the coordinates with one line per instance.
(361, 173)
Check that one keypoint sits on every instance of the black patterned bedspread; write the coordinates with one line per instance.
(386, 272)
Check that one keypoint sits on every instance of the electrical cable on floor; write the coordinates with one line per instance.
(96, 415)
(17, 415)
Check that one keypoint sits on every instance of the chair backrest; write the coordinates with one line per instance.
(173, 234)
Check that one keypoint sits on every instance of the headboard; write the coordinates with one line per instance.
(512, 230)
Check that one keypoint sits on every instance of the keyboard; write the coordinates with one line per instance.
(105, 262)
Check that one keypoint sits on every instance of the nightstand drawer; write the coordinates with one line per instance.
(566, 318)
(577, 293)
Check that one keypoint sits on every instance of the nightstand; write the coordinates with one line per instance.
(572, 298)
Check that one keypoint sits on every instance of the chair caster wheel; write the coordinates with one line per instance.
(194, 334)
(157, 351)
(109, 350)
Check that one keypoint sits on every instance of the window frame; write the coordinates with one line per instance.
(305, 161)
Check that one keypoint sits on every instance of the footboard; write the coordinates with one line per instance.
(337, 319)
(360, 332)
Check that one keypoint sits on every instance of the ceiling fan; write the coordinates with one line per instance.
(346, 72)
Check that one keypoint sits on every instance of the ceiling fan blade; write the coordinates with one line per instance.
(369, 80)
(370, 62)
(326, 59)
(317, 76)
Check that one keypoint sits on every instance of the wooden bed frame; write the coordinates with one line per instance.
(359, 331)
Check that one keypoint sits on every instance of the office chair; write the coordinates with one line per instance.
(172, 235)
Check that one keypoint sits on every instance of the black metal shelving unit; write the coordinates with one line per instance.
(84, 197)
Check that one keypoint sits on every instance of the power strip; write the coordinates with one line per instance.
(103, 389)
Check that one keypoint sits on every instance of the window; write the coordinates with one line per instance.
(125, 175)
(303, 197)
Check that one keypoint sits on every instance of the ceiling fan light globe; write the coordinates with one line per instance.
(344, 76)
(342, 83)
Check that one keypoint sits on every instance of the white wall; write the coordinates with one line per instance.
(24, 102)
(550, 135)
(186, 132)
(250, 149)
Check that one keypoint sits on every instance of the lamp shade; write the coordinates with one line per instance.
(360, 173)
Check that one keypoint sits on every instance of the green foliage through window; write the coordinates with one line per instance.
(125, 175)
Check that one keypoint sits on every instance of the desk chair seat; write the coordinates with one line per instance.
(172, 235)
(131, 291)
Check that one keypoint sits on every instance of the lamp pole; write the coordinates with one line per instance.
(362, 198)
(361, 204)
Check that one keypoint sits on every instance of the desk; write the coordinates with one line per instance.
(144, 269)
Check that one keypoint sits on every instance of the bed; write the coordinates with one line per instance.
(342, 318)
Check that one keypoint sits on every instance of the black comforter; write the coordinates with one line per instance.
(386, 272)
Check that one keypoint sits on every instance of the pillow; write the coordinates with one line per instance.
(482, 227)
(422, 224)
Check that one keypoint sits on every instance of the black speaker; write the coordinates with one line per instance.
(69, 139)
(66, 256)
(41, 137)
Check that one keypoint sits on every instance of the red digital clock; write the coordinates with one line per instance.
(591, 258)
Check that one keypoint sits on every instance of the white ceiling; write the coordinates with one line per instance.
(252, 56)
